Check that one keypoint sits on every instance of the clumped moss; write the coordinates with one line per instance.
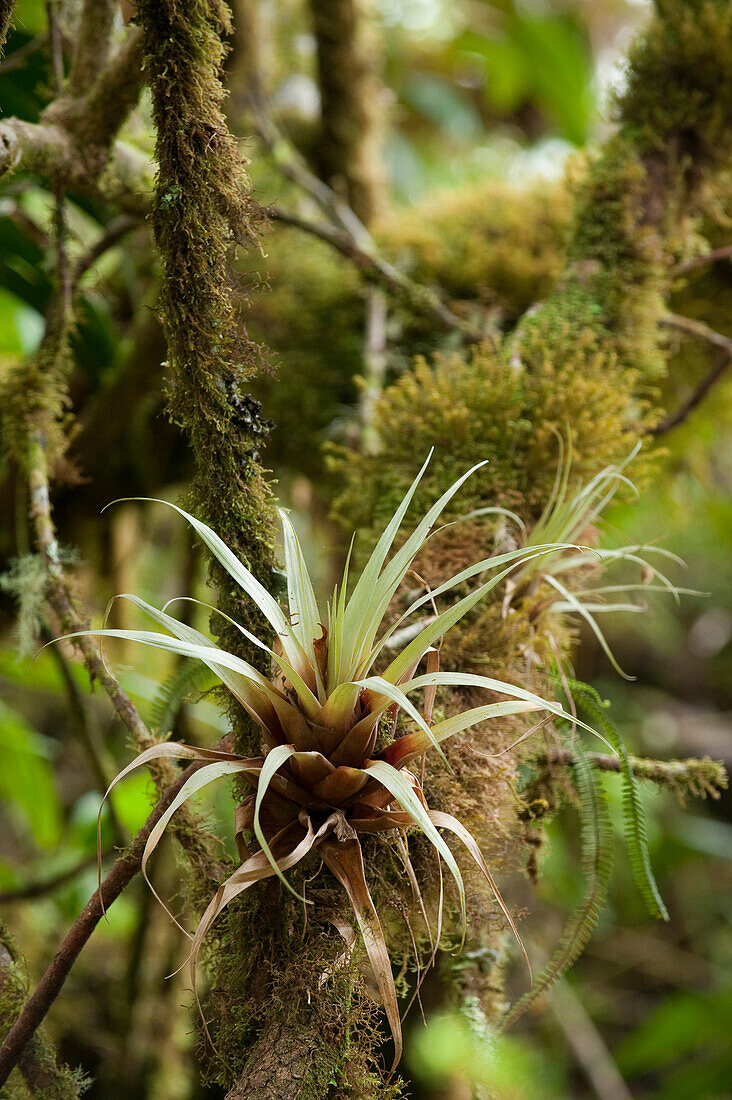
(476, 407)
(488, 245)
(311, 315)
(39, 1074)
(492, 251)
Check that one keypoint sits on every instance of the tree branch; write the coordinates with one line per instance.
(422, 300)
(92, 40)
(117, 229)
(39, 887)
(38, 1062)
(699, 331)
(73, 143)
(124, 870)
(19, 56)
(707, 383)
(698, 776)
(114, 94)
(713, 257)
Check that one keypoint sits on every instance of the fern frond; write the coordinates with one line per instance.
(188, 677)
(634, 819)
(597, 863)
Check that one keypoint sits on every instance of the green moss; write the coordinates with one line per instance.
(39, 1074)
(488, 245)
(491, 249)
(311, 314)
(475, 408)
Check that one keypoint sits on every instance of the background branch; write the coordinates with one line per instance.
(119, 877)
(422, 300)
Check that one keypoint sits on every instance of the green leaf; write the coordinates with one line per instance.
(597, 864)
(633, 814)
(27, 784)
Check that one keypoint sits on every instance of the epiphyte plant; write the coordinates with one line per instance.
(321, 781)
(567, 518)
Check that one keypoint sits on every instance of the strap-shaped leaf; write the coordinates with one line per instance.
(400, 787)
(266, 603)
(274, 760)
(468, 679)
(345, 860)
(304, 612)
(412, 745)
(447, 821)
(291, 846)
(440, 625)
(310, 703)
(392, 575)
(250, 689)
(166, 751)
(582, 609)
(207, 774)
(360, 605)
(393, 693)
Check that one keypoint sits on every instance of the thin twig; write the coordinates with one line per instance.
(699, 331)
(124, 870)
(113, 234)
(587, 1044)
(698, 775)
(345, 231)
(59, 594)
(292, 164)
(18, 57)
(707, 383)
(374, 367)
(423, 300)
(724, 253)
(57, 56)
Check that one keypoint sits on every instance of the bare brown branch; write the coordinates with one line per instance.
(423, 300)
(707, 258)
(91, 44)
(50, 985)
(698, 331)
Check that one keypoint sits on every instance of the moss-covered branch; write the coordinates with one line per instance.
(694, 777)
(202, 209)
(73, 146)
